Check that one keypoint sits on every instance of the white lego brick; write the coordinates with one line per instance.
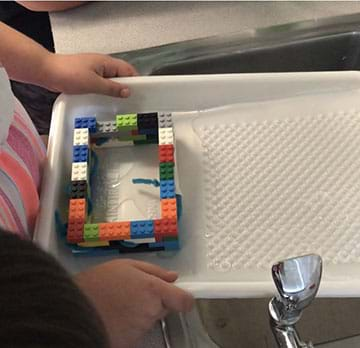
(141, 240)
(81, 136)
(166, 136)
(79, 171)
(165, 120)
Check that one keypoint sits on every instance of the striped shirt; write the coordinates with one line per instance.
(22, 155)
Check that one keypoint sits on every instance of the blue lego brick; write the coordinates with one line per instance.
(142, 229)
(80, 153)
(167, 245)
(156, 245)
(86, 122)
(148, 131)
(167, 189)
(171, 245)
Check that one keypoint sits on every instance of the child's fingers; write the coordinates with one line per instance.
(174, 298)
(111, 88)
(118, 67)
(155, 270)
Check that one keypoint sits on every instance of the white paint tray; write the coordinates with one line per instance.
(268, 165)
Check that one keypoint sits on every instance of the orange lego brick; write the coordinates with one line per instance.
(168, 208)
(165, 228)
(166, 153)
(77, 210)
(114, 230)
(76, 220)
(98, 243)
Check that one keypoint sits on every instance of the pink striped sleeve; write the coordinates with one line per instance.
(20, 144)
(24, 183)
(12, 206)
(7, 220)
(22, 156)
(23, 122)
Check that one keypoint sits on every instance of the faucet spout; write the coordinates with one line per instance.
(297, 281)
(285, 335)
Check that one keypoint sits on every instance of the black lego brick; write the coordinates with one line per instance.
(78, 189)
(147, 120)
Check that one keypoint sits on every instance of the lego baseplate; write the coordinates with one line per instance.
(84, 231)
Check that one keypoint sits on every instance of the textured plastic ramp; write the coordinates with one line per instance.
(282, 179)
(278, 188)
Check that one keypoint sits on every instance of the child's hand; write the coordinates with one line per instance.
(27, 61)
(86, 73)
(131, 296)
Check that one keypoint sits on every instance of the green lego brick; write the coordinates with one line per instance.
(166, 171)
(132, 138)
(91, 232)
(126, 122)
(150, 139)
(170, 239)
(141, 142)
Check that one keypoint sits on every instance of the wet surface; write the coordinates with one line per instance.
(245, 323)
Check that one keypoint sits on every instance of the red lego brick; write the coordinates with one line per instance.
(168, 208)
(76, 220)
(114, 231)
(165, 228)
(166, 153)
(135, 132)
(75, 232)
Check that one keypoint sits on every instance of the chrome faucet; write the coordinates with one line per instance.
(297, 281)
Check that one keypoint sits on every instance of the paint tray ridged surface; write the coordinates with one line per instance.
(281, 187)
(280, 179)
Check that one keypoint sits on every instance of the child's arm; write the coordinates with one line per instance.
(27, 61)
(51, 6)
(131, 296)
(41, 305)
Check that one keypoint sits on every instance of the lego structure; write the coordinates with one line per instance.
(143, 235)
